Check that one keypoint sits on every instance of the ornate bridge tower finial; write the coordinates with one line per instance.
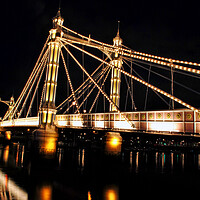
(116, 74)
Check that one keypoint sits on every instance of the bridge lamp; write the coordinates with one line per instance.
(114, 141)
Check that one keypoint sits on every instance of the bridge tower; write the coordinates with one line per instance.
(116, 74)
(47, 112)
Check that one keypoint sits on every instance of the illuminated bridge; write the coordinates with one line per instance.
(96, 73)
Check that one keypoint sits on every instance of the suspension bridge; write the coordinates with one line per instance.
(93, 94)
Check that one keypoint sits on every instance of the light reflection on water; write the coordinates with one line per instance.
(44, 192)
(85, 173)
(111, 192)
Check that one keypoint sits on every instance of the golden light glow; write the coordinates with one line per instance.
(44, 114)
(6, 153)
(49, 145)
(8, 135)
(49, 72)
(51, 53)
(55, 53)
(53, 33)
(51, 92)
(47, 91)
(46, 192)
(49, 117)
(111, 193)
(114, 141)
(89, 196)
(54, 72)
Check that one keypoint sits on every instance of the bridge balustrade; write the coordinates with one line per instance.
(182, 120)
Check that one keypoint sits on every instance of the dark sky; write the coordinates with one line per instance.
(165, 28)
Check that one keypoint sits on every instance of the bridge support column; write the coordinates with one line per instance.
(47, 133)
(115, 75)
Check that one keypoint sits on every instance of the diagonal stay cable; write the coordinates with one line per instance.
(141, 81)
(36, 88)
(32, 84)
(106, 96)
(79, 88)
(14, 109)
(168, 79)
(162, 67)
(148, 87)
(70, 83)
(99, 92)
(88, 87)
(130, 93)
(94, 87)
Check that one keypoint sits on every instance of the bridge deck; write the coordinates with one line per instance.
(182, 120)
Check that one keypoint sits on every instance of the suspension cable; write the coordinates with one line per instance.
(33, 83)
(58, 107)
(161, 67)
(146, 96)
(36, 88)
(126, 49)
(128, 90)
(69, 80)
(143, 56)
(139, 80)
(102, 74)
(147, 87)
(28, 83)
(167, 78)
(88, 87)
(99, 92)
(167, 59)
(110, 101)
(180, 67)
(80, 92)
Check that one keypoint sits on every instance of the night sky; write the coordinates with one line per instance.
(165, 28)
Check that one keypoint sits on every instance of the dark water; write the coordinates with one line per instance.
(91, 173)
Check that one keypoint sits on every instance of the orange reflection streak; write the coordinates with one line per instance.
(8, 135)
(50, 144)
(5, 154)
(45, 192)
(17, 156)
(111, 193)
(89, 196)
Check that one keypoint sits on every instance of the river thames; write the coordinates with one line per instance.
(94, 171)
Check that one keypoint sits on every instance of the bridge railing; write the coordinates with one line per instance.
(21, 122)
(182, 120)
